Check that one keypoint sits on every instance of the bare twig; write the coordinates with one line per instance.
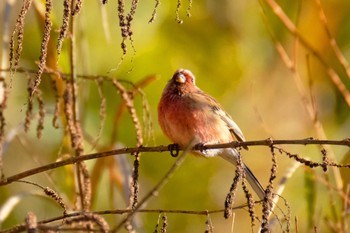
(130, 105)
(51, 193)
(139, 138)
(332, 42)
(293, 30)
(156, 188)
(235, 144)
(21, 227)
(136, 89)
(102, 112)
(308, 103)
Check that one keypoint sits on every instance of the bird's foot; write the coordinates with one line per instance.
(200, 146)
(174, 149)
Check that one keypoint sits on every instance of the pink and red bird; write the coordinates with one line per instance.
(187, 115)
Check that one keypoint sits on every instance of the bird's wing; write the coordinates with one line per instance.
(208, 101)
(233, 127)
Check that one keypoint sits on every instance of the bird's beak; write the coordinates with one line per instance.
(180, 78)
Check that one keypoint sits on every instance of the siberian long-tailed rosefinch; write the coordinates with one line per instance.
(188, 115)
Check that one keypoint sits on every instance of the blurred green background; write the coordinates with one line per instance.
(227, 45)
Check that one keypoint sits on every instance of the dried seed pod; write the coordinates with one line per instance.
(44, 46)
(65, 25)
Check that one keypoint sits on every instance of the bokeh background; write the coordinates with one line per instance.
(230, 46)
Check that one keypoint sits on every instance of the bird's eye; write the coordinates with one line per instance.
(192, 80)
(180, 78)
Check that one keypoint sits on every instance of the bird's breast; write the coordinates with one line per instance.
(184, 120)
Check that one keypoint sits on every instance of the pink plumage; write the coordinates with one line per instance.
(188, 115)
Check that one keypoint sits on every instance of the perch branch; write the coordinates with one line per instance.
(269, 142)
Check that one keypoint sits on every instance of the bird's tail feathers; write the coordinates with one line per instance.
(231, 155)
(253, 181)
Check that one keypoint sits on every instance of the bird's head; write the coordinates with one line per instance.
(183, 82)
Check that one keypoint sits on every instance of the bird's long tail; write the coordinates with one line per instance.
(231, 155)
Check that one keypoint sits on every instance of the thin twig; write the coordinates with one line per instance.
(156, 188)
(308, 102)
(132, 111)
(235, 144)
(294, 31)
(332, 42)
(21, 227)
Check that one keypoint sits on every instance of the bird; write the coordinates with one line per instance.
(187, 115)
